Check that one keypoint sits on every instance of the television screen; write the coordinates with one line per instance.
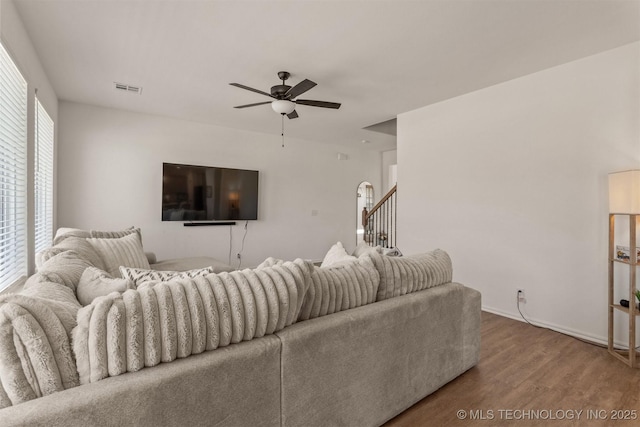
(203, 193)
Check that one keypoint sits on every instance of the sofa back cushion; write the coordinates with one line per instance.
(160, 322)
(124, 251)
(403, 275)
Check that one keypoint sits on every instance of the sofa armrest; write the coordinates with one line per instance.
(471, 322)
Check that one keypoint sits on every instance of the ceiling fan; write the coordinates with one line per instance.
(284, 96)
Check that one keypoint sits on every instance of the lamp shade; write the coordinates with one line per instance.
(624, 192)
(282, 106)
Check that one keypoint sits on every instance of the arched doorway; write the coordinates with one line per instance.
(364, 199)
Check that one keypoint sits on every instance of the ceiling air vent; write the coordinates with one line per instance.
(128, 88)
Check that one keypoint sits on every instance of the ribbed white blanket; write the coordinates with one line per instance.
(162, 321)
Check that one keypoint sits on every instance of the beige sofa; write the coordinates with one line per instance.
(348, 358)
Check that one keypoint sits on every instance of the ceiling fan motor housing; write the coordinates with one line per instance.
(279, 91)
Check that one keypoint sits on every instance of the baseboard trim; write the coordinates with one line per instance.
(571, 332)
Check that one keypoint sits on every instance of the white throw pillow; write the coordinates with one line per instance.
(363, 249)
(125, 251)
(96, 283)
(138, 276)
(337, 254)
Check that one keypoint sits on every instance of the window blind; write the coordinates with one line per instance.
(43, 170)
(13, 171)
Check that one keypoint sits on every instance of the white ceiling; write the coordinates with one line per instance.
(378, 58)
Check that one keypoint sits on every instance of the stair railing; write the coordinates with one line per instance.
(380, 222)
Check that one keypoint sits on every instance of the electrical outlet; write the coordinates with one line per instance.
(238, 256)
(521, 296)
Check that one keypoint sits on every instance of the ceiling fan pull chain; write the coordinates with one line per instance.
(282, 115)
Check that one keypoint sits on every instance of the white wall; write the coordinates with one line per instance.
(110, 177)
(512, 182)
(17, 42)
(389, 158)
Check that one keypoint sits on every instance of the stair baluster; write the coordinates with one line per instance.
(380, 223)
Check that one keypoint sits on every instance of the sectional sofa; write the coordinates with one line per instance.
(352, 343)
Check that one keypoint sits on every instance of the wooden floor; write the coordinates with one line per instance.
(529, 376)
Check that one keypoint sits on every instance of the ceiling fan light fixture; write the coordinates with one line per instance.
(282, 106)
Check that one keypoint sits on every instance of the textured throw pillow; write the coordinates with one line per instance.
(340, 287)
(391, 252)
(403, 275)
(124, 251)
(66, 232)
(46, 254)
(337, 254)
(76, 244)
(138, 276)
(116, 234)
(96, 283)
(64, 268)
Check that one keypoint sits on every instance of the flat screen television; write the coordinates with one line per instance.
(207, 193)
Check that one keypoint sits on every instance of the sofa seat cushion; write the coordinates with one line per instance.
(124, 251)
(160, 322)
(407, 274)
(36, 357)
(191, 263)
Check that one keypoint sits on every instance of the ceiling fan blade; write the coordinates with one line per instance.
(299, 89)
(253, 105)
(293, 115)
(323, 104)
(251, 89)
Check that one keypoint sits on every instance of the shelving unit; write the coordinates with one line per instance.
(630, 355)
